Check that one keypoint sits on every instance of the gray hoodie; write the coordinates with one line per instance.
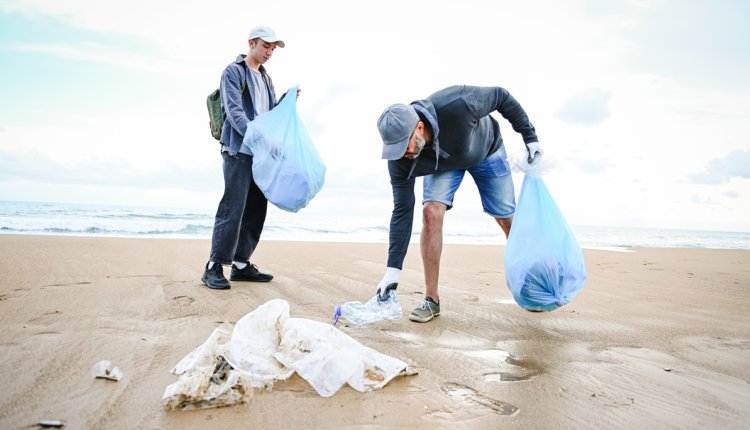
(464, 135)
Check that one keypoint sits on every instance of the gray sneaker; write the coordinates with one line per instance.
(426, 311)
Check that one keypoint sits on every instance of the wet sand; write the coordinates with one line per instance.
(657, 338)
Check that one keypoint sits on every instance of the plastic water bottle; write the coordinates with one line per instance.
(376, 309)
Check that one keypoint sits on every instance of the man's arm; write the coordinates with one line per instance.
(402, 218)
(231, 97)
(484, 100)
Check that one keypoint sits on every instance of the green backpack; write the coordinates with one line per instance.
(215, 116)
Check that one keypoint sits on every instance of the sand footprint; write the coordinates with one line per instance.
(521, 370)
(183, 300)
(468, 395)
(513, 367)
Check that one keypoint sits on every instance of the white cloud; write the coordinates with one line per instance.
(721, 170)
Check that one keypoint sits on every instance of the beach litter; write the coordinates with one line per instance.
(267, 345)
(50, 424)
(374, 310)
(104, 370)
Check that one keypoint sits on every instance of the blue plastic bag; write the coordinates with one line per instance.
(286, 166)
(544, 265)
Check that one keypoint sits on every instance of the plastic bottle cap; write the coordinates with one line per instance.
(337, 315)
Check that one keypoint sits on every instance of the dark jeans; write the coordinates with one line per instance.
(241, 213)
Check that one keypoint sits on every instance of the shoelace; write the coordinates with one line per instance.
(250, 267)
(425, 305)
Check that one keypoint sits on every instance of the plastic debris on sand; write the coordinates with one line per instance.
(267, 345)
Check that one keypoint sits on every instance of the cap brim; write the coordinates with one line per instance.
(279, 43)
(395, 151)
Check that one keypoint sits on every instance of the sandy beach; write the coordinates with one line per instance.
(657, 338)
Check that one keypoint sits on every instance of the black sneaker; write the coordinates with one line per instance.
(214, 277)
(250, 274)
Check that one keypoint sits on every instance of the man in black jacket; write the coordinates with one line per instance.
(442, 137)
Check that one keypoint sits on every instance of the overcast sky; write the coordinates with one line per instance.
(644, 105)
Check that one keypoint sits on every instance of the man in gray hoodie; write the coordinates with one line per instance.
(246, 91)
(442, 137)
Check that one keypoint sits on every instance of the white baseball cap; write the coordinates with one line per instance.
(267, 34)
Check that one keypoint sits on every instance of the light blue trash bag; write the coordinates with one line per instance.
(544, 265)
(286, 166)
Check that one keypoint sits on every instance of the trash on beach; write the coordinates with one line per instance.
(50, 423)
(104, 370)
(544, 265)
(267, 345)
(373, 310)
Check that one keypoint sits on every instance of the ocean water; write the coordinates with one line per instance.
(148, 222)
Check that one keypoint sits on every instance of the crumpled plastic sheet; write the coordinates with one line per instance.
(268, 345)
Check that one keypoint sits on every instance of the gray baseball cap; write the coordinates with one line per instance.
(267, 34)
(396, 124)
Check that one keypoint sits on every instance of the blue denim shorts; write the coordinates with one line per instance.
(493, 179)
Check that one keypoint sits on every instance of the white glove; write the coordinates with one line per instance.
(389, 282)
(535, 152)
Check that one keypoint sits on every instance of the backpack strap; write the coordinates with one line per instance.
(243, 73)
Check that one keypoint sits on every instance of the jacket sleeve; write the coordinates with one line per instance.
(482, 101)
(231, 98)
(402, 218)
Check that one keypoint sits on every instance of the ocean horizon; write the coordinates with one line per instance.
(68, 219)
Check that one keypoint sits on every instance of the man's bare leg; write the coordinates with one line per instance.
(505, 224)
(431, 245)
